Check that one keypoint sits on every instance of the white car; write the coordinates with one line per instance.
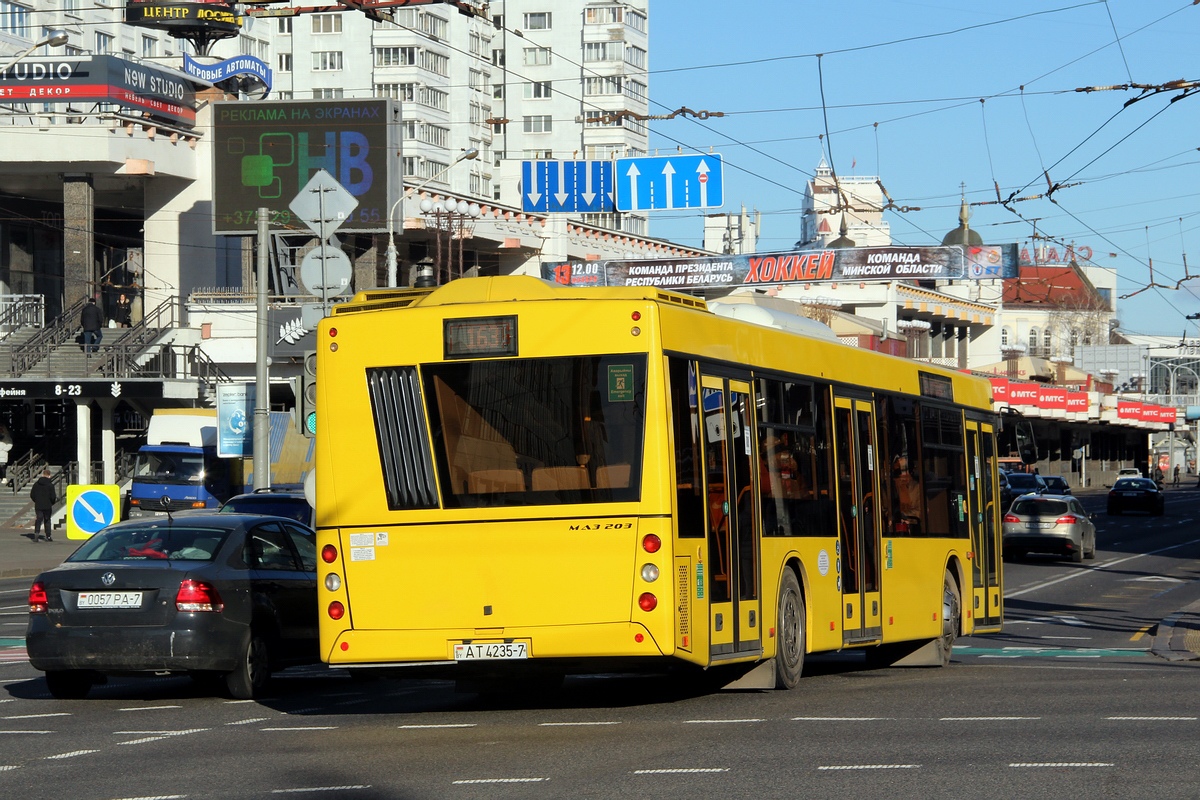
(1133, 472)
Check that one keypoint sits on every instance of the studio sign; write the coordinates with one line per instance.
(168, 16)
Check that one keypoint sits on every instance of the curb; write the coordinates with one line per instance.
(1165, 645)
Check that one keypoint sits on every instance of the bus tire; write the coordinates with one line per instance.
(951, 618)
(790, 631)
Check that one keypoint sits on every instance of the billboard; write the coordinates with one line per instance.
(163, 94)
(265, 152)
(985, 262)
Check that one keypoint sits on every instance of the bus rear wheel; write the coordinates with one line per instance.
(789, 627)
(951, 618)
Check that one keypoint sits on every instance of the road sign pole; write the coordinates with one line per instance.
(262, 386)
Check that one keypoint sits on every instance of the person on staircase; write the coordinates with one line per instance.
(44, 497)
(92, 321)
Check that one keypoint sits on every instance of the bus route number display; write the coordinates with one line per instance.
(480, 336)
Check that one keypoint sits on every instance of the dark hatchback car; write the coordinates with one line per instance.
(1056, 484)
(1135, 494)
(279, 503)
(221, 597)
(1016, 484)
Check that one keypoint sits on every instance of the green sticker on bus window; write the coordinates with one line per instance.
(620, 383)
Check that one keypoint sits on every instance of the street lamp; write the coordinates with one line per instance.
(53, 39)
(465, 155)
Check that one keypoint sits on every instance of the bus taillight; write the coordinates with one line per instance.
(336, 610)
(651, 543)
(328, 554)
(647, 602)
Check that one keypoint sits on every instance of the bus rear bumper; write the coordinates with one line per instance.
(437, 647)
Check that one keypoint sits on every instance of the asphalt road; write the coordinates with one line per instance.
(1070, 701)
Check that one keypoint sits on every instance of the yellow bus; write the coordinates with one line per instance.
(517, 475)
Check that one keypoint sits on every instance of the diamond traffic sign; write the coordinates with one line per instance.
(669, 182)
(323, 204)
(567, 186)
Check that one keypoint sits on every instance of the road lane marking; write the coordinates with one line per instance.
(1156, 719)
(3, 732)
(1062, 764)
(839, 719)
(468, 781)
(347, 788)
(1141, 632)
(147, 708)
(74, 753)
(717, 721)
(574, 724)
(1075, 574)
(305, 728)
(39, 716)
(156, 797)
(680, 771)
(445, 725)
(871, 766)
(248, 721)
(164, 735)
(983, 719)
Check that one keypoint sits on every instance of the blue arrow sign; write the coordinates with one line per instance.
(670, 182)
(93, 510)
(567, 186)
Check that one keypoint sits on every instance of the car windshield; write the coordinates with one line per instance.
(1039, 507)
(1021, 480)
(169, 467)
(1134, 483)
(1055, 482)
(296, 508)
(152, 542)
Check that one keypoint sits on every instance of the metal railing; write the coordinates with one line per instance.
(119, 359)
(24, 357)
(22, 310)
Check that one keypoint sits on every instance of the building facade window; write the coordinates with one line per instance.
(437, 63)
(635, 57)
(327, 60)
(498, 91)
(104, 43)
(539, 123)
(395, 56)
(432, 25)
(434, 98)
(397, 91)
(284, 62)
(537, 56)
(1033, 341)
(16, 18)
(283, 26)
(326, 23)
(603, 51)
(1005, 337)
(593, 87)
(497, 58)
(603, 15)
(328, 93)
(537, 21)
(149, 47)
(537, 90)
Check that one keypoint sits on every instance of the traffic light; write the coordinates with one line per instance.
(306, 399)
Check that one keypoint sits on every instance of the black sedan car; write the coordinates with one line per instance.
(279, 503)
(1016, 484)
(1135, 494)
(1056, 484)
(222, 597)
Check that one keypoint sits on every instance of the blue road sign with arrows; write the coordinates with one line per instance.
(656, 183)
(567, 186)
(90, 508)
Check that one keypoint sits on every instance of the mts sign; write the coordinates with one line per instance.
(266, 152)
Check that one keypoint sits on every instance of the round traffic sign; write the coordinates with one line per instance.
(326, 270)
(93, 510)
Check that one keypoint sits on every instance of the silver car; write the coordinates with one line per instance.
(1048, 523)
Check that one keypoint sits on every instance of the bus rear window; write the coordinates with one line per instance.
(537, 431)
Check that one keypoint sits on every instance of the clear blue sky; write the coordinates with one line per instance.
(902, 86)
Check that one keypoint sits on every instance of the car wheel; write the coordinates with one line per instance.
(69, 684)
(1113, 511)
(1158, 512)
(1011, 554)
(789, 647)
(246, 682)
(1077, 554)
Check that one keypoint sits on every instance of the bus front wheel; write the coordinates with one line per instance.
(789, 647)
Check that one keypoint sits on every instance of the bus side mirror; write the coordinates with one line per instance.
(1026, 444)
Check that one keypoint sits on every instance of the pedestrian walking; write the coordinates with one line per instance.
(1175, 479)
(123, 312)
(43, 496)
(92, 321)
(6, 445)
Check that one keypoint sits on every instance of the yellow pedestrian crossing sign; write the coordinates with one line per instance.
(90, 508)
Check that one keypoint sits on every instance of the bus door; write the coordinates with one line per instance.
(733, 576)
(985, 541)
(858, 524)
